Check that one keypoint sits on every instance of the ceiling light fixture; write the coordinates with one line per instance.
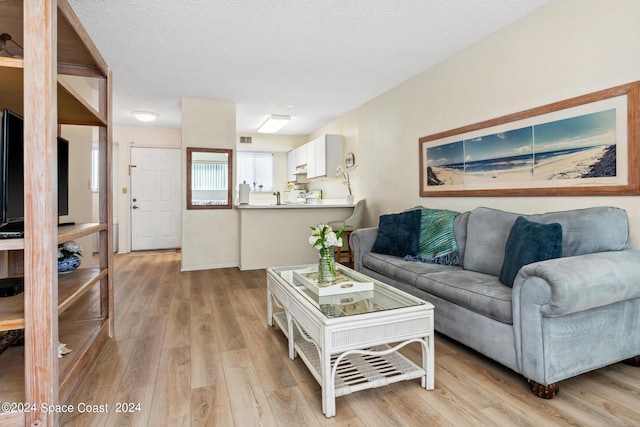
(145, 116)
(273, 124)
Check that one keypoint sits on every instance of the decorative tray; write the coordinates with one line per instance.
(343, 284)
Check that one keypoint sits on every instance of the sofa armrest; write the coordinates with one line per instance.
(575, 314)
(361, 242)
(578, 283)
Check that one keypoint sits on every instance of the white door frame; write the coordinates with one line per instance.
(131, 195)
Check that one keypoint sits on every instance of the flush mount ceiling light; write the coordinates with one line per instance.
(145, 116)
(273, 124)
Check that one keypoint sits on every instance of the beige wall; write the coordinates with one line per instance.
(565, 49)
(210, 237)
(272, 142)
(81, 198)
(80, 194)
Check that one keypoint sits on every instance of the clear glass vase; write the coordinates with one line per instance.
(326, 266)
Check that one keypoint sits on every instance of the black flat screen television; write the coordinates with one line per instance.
(12, 175)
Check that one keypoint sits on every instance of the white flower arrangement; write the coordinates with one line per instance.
(324, 238)
(69, 249)
(343, 172)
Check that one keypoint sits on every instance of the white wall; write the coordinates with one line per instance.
(210, 237)
(565, 49)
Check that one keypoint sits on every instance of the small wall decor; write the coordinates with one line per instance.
(581, 146)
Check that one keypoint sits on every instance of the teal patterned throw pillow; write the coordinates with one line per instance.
(437, 243)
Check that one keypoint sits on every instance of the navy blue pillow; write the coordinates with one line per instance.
(398, 234)
(529, 242)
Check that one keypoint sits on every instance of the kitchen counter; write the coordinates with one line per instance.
(296, 206)
(278, 235)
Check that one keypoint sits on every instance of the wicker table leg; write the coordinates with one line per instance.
(269, 307)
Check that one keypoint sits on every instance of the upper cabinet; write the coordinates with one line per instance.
(297, 162)
(322, 156)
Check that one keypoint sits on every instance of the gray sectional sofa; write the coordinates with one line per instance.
(562, 317)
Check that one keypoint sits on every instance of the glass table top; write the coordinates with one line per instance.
(336, 300)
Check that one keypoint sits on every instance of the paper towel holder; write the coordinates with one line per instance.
(244, 190)
(209, 178)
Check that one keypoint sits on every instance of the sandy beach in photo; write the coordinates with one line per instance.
(570, 166)
(444, 176)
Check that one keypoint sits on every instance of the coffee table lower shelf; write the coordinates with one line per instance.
(360, 369)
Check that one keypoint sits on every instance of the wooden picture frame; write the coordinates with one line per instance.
(207, 189)
(582, 146)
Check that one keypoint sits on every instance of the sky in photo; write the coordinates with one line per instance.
(446, 154)
(515, 142)
(589, 130)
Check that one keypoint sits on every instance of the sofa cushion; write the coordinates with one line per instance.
(398, 234)
(399, 269)
(478, 292)
(487, 233)
(529, 242)
(585, 231)
(591, 230)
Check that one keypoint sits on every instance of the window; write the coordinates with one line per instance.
(209, 174)
(256, 169)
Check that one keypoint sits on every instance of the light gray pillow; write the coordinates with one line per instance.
(487, 233)
(584, 231)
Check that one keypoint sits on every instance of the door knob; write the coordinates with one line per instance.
(134, 207)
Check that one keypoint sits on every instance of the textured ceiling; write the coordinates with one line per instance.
(314, 60)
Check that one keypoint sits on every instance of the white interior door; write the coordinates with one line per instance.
(155, 198)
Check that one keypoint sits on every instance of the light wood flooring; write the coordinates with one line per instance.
(194, 349)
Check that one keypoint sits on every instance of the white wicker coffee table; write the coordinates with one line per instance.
(350, 341)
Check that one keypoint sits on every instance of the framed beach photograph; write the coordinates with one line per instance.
(582, 146)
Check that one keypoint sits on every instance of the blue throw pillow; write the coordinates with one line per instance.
(398, 234)
(529, 242)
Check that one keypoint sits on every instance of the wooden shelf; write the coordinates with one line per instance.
(54, 41)
(72, 108)
(84, 338)
(77, 54)
(70, 288)
(65, 233)
(12, 380)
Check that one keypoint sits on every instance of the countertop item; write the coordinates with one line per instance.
(323, 204)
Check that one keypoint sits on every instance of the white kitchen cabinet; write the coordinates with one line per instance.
(301, 156)
(324, 154)
(296, 160)
(291, 166)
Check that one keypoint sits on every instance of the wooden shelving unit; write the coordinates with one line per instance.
(55, 44)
